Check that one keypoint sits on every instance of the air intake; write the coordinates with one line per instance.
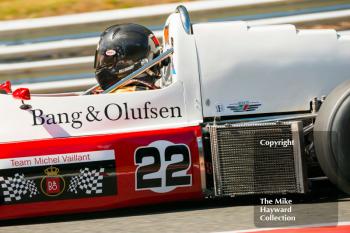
(261, 158)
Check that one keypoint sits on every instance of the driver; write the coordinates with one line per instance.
(122, 49)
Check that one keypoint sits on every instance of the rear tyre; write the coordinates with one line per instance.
(332, 136)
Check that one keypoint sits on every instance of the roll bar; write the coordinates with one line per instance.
(185, 19)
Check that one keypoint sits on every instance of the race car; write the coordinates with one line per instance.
(242, 111)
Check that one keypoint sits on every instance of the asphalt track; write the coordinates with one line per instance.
(327, 205)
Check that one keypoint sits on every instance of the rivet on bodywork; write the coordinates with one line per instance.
(207, 102)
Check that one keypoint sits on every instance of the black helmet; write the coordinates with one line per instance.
(123, 49)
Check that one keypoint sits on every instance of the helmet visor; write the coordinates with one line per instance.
(102, 60)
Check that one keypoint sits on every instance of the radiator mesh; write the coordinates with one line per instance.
(243, 166)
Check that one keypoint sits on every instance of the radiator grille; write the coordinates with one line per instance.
(243, 166)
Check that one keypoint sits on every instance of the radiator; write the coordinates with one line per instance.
(244, 164)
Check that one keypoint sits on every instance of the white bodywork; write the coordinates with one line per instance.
(54, 117)
(219, 65)
(277, 67)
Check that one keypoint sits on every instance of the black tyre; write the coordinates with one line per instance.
(332, 136)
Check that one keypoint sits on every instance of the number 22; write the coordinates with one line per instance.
(154, 180)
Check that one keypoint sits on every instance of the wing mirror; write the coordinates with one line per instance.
(6, 86)
(22, 94)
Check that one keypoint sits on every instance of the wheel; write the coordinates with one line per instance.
(332, 136)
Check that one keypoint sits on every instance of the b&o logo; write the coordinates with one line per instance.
(52, 184)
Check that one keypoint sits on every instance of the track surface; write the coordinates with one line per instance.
(201, 216)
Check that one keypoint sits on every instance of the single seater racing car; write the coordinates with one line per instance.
(242, 111)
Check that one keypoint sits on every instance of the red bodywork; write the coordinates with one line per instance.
(124, 146)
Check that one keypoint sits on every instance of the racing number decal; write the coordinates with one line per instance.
(143, 170)
(162, 166)
(172, 168)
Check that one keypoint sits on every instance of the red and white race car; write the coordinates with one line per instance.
(242, 110)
